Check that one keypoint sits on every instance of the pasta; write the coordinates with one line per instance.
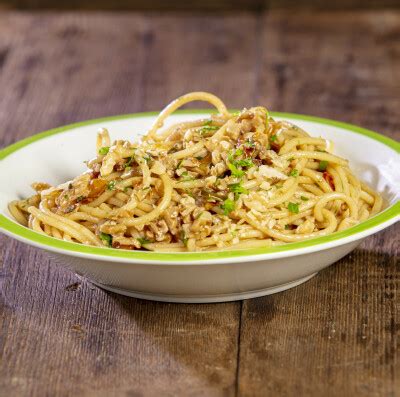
(233, 180)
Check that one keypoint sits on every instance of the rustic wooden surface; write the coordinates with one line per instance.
(190, 5)
(336, 335)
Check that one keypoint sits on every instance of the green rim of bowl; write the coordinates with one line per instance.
(28, 234)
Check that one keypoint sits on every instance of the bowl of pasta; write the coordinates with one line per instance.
(199, 205)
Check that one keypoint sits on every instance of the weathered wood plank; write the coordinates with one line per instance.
(338, 334)
(60, 335)
(198, 5)
(341, 65)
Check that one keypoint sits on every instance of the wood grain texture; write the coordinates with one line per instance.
(338, 334)
(197, 5)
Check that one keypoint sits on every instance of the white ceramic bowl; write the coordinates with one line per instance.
(57, 155)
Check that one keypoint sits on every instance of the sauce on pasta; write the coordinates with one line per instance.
(230, 181)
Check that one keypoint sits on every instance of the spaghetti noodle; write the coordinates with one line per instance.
(233, 180)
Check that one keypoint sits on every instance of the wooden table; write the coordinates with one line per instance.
(336, 335)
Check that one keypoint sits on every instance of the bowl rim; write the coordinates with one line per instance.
(378, 222)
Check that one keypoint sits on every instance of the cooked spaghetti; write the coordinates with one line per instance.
(229, 181)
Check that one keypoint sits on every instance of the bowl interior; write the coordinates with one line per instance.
(60, 157)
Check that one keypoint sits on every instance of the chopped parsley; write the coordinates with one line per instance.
(184, 238)
(293, 207)
(147, 158)
(179, 164)
(186, 177)
(208, 122)
(238, 189)
(208, 128)
(304, 198)
(245, 163)
(236, 153)
(106, 238)
(228, 206)
(294, 172)
(104, 150)
(129, 161)
(111, 185)
(143, 240)
(238, 173)
(273, 138)
(322, 165)
(235, 166)
(287, 227)
(79, 199)
(199, 158)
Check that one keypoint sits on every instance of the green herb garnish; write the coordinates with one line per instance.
(235, 166)
(294, 172)
(238, 173)
(111, 185)
(293, 207)
(185, 177)
(273, 138)
(106, 238)
(304, 198)
(228, 206)
(143, 240)
(322, 165)
(208, 128)
(238, 189)
(245, 163)
(147, 158)
(184, 238)
(104, 150)
(129, 161)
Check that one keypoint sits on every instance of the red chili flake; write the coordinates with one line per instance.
(95, 174)
(127, 247)
(119, 166)
(87, 200)
(116, 244)
(329, 178)
(275, 146)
